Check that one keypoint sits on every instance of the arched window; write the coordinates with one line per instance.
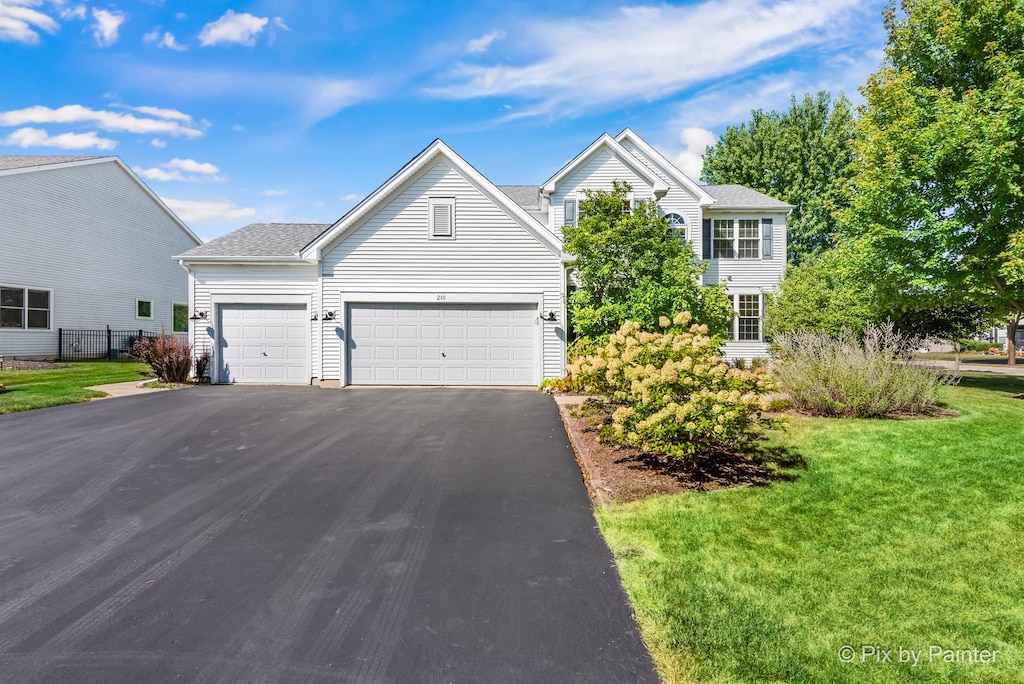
(676, 226)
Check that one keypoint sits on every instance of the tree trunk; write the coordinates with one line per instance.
(1011, 340)
(956, 360)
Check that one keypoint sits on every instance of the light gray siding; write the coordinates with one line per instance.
(491, 258)
(597, 173)
(216, 284)
(91, 235)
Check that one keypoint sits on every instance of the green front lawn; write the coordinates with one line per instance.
(32, 389)
(898, 534)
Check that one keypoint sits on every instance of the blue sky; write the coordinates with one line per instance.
(292, 110)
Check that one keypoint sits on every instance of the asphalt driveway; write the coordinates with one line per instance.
(225, 534)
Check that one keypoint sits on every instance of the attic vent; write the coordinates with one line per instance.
(442, 217)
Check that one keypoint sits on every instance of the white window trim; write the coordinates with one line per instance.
(24, 327)
(151, 307)
(736, 238)
(735, 296)
(187, 322)
(442, 201)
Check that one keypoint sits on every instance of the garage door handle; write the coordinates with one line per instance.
(264, 353)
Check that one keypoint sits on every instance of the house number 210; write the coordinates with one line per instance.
(441, 298)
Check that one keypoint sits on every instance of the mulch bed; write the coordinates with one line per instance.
(629, 475)
(18, 364)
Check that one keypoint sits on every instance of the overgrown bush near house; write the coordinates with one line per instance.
(170, 359)
(671, 393)
(202, 365)
(849, 376)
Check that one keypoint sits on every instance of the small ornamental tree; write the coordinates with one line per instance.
(632, 267)
(170, 359)
(671, 393)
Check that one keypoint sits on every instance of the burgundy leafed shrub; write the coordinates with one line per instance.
(170, 359)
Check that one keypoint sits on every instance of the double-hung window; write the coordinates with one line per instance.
(749, 239)
(737, 238)
(25, 308)
(724, 238)
(746, 326)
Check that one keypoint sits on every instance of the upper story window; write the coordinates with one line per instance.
(676, 225)
(569, 211)
(733, 238)
(442, 217)
(25, 308)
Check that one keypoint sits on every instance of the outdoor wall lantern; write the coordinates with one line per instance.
(549, 316)
(329, 315)
(198, 316)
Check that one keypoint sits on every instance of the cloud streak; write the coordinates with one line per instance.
(232, 27)
(106, 120)
(188, 170)
(38, 137)
(106, 25)
(20, 23)
(644, 53)
(204, 211)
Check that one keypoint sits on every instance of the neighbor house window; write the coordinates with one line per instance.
(143, 308)
(25, 308)
(724, 237)
(442, 217)
(569, 210)
(179, 318)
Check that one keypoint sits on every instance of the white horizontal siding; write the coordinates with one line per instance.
(491, 253)
(746, 350)
(597, 173)
(247, 283)
(758, 274)
(98, 241)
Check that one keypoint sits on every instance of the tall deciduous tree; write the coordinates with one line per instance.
(800, 156)
(632, 267)
(938, 185)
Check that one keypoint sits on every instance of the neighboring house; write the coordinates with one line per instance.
(84, 244)
(439, 277)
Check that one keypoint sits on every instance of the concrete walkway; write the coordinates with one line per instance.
(128, 389)
(1001, 368)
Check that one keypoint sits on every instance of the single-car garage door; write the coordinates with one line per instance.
(264, 343)
(442, 344)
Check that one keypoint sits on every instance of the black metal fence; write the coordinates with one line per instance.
(113, 345)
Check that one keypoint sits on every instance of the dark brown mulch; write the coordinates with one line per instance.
(18, 364)
(1017, 396)
(629, 475)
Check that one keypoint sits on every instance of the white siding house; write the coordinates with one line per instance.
(439, 277)
(85, 244)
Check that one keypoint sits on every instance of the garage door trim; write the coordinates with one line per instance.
(218, 301)
(534, 299)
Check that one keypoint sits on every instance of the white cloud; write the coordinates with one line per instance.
(108, 121)
(238, 128)
(199, 211)
(163, 113)
(350, 197)
(37, 137)
(275, 193)
(192, 166)
(157, 142)
(21, 24)
(169, 42)
(76, 12)
(480, 45)
(176, 170)
(152, 36)
(279, 23)
(647, 53)
(106, 26)
(233, 28)
(695, 140)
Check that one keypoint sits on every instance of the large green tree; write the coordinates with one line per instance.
(632, 267)
(800, 156)
(937, 189)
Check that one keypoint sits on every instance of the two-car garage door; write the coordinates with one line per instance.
(442, 344)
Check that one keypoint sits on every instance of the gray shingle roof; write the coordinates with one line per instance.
(741, 196)
(24, 161)
(526, 196)
(261, 240)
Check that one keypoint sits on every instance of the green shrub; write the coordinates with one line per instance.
(847, 376)
(976, 345)
(671, 393)
(170, 359)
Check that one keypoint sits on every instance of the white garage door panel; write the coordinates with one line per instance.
(264, 343)
(442, 344)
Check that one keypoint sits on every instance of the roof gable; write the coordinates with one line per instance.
(17, 164)
(606, 142)
(422, 161)
(670, 169)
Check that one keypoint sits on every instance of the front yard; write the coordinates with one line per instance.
(31, 389)
(900, 534)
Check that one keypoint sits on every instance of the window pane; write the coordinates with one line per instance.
(10, 318)
(748, 249)
(750, 329)
(38, 299)
(748, 228)
(12, 296)
(179, 324)
(144, 309)
(38, 318)
(723, 228)
(750, 305)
